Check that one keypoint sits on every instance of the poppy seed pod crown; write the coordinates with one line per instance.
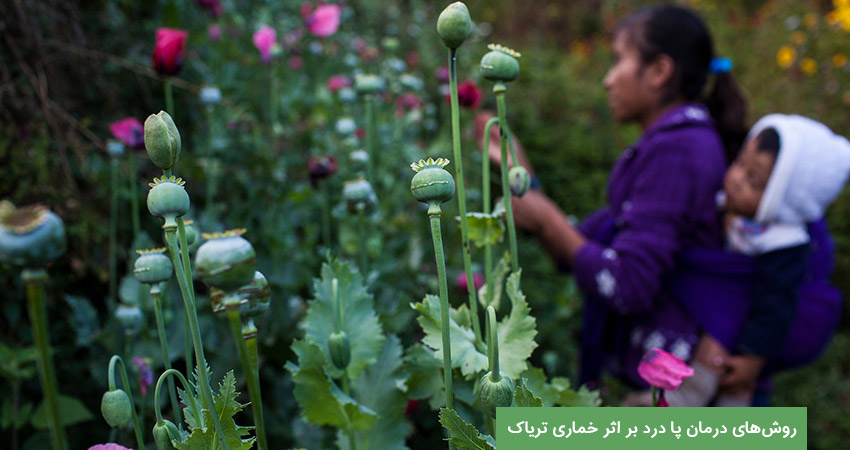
(168, 199)
(152, 266)
(432, 184)
(227, 260)
(500, 63)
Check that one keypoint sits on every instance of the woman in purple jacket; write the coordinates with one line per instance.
(661, 193)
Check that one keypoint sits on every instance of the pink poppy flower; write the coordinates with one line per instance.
(168, 50)
(461, 282)
(337, 82)
(264, 39)
(468, 95)
(214, 32)
(324, 20)
(442, 74)
(108, 447)
(145, 373)
(295, 63)
(130, 132)
(406, 103)
(663, 370)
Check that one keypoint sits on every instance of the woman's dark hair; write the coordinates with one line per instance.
(768, 141)
(680, 34)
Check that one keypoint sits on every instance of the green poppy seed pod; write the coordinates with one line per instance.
(432, 184)
(493, 394)
(519, 180)
(30, 236)
(340, 349)
(116, 408)
(257, 296)
(218, 301)
(358, 194)
(500, 64)
(152, 266)
(168, 199)
(369, 84)
(163, 433)
(454, 25)
(162, 140)
(130, 317)
(227, 260)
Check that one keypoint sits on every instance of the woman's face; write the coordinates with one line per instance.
(629, 92)
(746, 179)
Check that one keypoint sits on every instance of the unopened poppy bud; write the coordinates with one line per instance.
(340, 349)
(227, 260)
(520, 180)
(162, 140)
(163, 433)
(500, 64)
(152, 266)
(454, 25)
(116, 408)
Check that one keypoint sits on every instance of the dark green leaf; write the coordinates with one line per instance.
(425, 375)
(226, 407)
(71, 411)
(524, 397)
(461, 433)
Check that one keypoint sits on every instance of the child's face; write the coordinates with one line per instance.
(627, 87)
(746, 179)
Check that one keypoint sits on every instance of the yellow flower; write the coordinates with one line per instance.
(810, 20)
(785, 56)
(808, 66)
(798, 37)
(839, 60)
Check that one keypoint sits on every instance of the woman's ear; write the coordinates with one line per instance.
(660, 71)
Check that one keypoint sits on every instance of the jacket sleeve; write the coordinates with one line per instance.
(627, 275)
(774, 300)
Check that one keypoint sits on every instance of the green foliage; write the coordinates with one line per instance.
(323, 402)
(226, 407)
(497, 279)
(523, 397)
(557, 391)
(359, 320)
(425, 380)
(485, 228)
(380, 388)
(464, 354)
(462, 433)
(71, 412)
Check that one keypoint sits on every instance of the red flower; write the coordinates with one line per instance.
(321, 167)
(663, 370)
(468, 95)
(406, 103)
(168, 50)
(337, 82)
(130, 132)
(462, 284)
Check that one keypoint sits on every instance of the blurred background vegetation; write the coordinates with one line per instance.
(70, 68)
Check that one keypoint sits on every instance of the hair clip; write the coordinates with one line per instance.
(720, 65)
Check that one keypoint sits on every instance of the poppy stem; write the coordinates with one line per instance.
(166, 359)
(485, 196)
(499, 89)
(169, 97)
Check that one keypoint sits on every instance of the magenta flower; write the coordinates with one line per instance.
(168, 50)
(442, 74)
(145, 373)
(324, 20)
(337, 82)
(468, 95)
(214, 32)
(264, 39)
(663, 370)
(130, 132)
(462, 284)
(108, 447)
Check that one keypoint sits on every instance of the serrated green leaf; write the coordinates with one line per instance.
(322, 401)
(71, 412)
(485, 229)
(425, 378)
(583, 397)
(497, 279)
(358, 316)
(516, 331)
(549, 393)
(83, 319)
(378, 389)
(461, 433)
(464, 354)
(524, 397)
(226, 407)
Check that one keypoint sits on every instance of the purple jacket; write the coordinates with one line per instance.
(661, 199)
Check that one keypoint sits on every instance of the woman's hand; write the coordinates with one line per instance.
(742, 371)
